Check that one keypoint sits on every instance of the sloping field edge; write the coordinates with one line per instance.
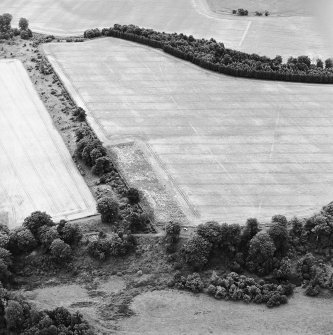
(238, 69)
(171, 186)
(64, 154)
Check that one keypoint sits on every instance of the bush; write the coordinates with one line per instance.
(14, 315)
(114, 245)
(92, 33)
(47, 235)
(242, 12)
(329, 63)
(23, 23)
(37, 220)
(24, 34)
(196, 251)
(250, 230)
(4, 240)
(194, 283)
(60, 251)
(109, 209)
(102, 164)
(80, 114)
(133, 195)
(279, 234)
(69, 232)
(261, 252)
(212, 232)
(172, 231)
(21, 240)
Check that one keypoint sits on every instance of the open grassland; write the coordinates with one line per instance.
(36, 170)
(171, 312)
(232, 148)
(267, 36)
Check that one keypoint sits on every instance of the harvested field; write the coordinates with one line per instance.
(275, 7)
(172, 312)
(232, 148)
(36, 170)
(269, 36)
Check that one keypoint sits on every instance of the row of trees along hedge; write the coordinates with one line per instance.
(127, 212)
(214, 56)
(269, 252)
(56, 243)
(7, 32)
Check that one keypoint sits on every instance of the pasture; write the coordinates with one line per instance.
(174, 312)
(268, 36)
(36, 169)
(232, 148)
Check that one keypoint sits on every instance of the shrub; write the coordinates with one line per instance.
(79, 114)
(329, 63)
(280, 218)
(261, 252)
(212, 232)
(250, 230)
(133, 195)
(69, 232)
(194, 283)
(92, 33)
(172, 232)
(23, 23)
(24, 34)
(6, 256)
(14, 315)
(47, 235)
(21, 240)
(60, 251)
(114, 245)
(102, 164)
(4, 240)
(99, 249)
(108, 208)
(242, 12)
(60, 316)
(196, 252)
(279, 234)
(36, 220)
(312, 290)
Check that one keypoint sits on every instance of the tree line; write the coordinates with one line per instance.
(214, 56)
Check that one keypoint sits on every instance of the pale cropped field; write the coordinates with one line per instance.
(269, 36)
(233, 148)
(36, 169)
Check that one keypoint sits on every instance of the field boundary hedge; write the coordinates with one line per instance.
(325, 78)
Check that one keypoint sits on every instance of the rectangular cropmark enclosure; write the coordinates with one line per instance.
(233, 148)
(36, 169)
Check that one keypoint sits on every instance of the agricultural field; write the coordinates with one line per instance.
(284, 35)
(231, 148)
(175, 312)
(36, 169)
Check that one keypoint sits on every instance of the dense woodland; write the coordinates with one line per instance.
(214, 56)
